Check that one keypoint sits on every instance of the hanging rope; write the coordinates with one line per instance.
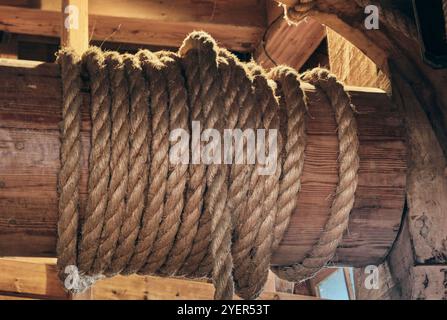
(147, 215)
(343, 202)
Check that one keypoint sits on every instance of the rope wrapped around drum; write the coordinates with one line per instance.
(147, 215)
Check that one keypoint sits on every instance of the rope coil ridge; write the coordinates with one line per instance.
(147, 215)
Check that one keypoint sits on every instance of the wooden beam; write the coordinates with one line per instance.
(158, 31)
(418, 261)
(34, 279)
(30, 279)
(386, 290)
(232, 12)
(155, 288)
(75, 25)
(30, 100)
(349, 284)
(352, 66)
(8, 45)
(288, 44)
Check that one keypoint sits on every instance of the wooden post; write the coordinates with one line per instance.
(74, 34)
(75, 25)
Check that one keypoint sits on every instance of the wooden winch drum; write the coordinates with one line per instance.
(30, 113)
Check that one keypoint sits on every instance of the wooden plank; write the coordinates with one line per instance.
(75, 25)
(284, 285)
(21, 279)
(289, 44)
(30, 113)
(349, 284)
(161, 32)
(418, 259)
(351, 66)
(270, 284)
(28, 278)
(231, 12)
(12, 297)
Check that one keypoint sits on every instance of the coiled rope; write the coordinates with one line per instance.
(149, 216)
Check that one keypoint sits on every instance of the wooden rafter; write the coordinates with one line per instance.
(229, 28)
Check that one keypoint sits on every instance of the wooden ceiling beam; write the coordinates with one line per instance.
(150, 29)
(287, 44)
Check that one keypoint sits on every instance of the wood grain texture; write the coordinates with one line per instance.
(29, 147)
(134, 29)
(74, 33)
(291, 45)
(28, 279)
(387, 288)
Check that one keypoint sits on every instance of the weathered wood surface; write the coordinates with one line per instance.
(29, 148)
(352, 66)
(289, 44)
(30, 278)
(420, 93)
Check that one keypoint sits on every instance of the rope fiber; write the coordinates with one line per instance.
(149, 216)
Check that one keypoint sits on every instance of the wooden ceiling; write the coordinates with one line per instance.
(249, 26)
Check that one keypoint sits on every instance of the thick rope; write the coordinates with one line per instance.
(178, 106)
(147, 215)
(292, 112)
(99, 160)
(258, 263)
(322, 252)
(119, 161)
(138, 164)
(200, 223)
